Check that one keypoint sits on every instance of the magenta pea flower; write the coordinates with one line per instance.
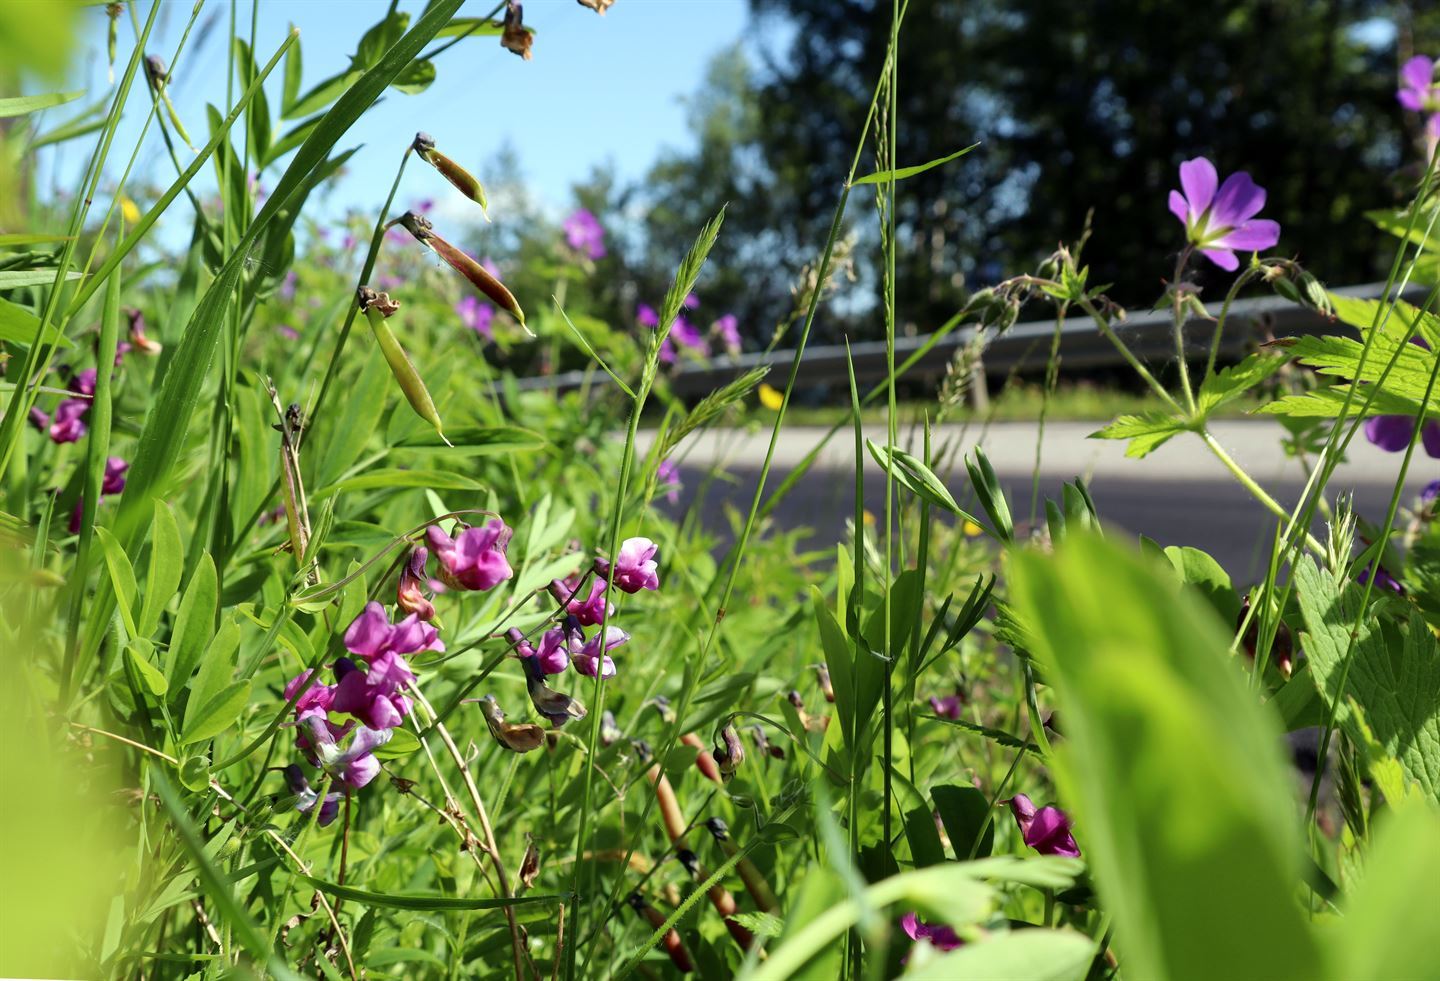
(596, 656)
(727, 328)
(84, 383)
(354, 764)
(68, 423)
(306, 798)
(410, 591)
(315, 696)
(1419, 91)
(1220, 222)
(688, 336)
(1393, 433)
(946, 706)
(113, 481)
(635, 567)
(667, 352)
(476, 314)
(646, 316)
(584, 234)
(557, 647)
(1046, 830)
(373, 695)
(475, 559)
(691, 302)
(936, 934)
(588, 611)
(371, 634)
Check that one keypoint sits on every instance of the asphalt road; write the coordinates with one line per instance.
(1179, 495)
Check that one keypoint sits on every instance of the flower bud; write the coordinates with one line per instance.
(729, 752)
(409, 593)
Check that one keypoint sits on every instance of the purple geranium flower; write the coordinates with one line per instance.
(353, 766)
(306, 797)
(584, 234)
(1430, 492)
(936, 934)
(1393, 433)
(727, 328)
(1418, 90)
(646, 316)
(475, 559)
(667, 352)
(1046, 830)
(1383, 579)
(476, 314)
(667, 479)
(635, 568)
(591, 656)
(1219, 222)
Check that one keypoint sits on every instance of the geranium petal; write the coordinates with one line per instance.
(1239, 200)
(1198, 179)
(1418, 73)
(1179, 208)
(1223, 258)
(1256, 235)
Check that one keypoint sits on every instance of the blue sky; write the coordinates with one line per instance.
(599, 89)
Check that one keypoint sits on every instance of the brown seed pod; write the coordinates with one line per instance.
(520, 737)
(516, 36)
(478, 275)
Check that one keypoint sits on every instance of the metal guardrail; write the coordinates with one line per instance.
(1025, 346)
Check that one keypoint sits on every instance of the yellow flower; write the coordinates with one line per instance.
(971, 529)
(129, 210)
(868, 517)
(770, 398)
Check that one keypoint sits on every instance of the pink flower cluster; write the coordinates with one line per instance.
(691, 340)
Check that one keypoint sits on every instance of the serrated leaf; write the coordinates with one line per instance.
(1233, 382)
(1147, 431)
(1394, 676)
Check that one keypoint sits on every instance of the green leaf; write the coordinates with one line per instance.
(472, 27)
(857, 686)
(1199, 569)
(964, 812)
(167, 560)
(218, 714)
(390, 479)
(990, 494)
(194, 623)
(21, 105)
(1398, 317)
(1233, 382)
(195, 773)
(886, 176)
(476, 441)
(1019, 955)
(912, 474)
(20, 326)
(294, 70)
(149, 673)
(1394, 676)
(1206, 844)
(217, 667)
(1394, 902)
(122, 576)
(421, 901)
(14, 279)
(1147, 431)
(402, 743)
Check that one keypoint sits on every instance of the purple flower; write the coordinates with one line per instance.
(316, 697)
(691, 301)
(584, 234)
(727, 328)
(67, 425)
(635, 567)
(355, 764)
(287, 332)
(947, 707)
(936, 934)
(591, 656)
(557, 646)
(1218, 223)
(1046, 830)
(371, 634)
(1393, 434)
(84, 383)
(687, 336)
(410, 591)
(373, 696)
(1418, 89)
(306, 797)
(1383, 579)
(667, 478)
(587, 611)
(114, 480)
(138, 337)
(667, 352)
(475, 559)
(646, 316)
(476, 314)
(1430, 492)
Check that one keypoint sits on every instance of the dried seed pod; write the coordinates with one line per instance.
(376, 307)
(828, 690)
(530, 864)
(516, 36)
(557, 707)
(464, 181)
(670, 813)
(520, 737)
(478, 275)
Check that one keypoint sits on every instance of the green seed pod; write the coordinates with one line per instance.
(464, 181)
(376, 307)
(156, 71)
(113, 11)
(424, 232)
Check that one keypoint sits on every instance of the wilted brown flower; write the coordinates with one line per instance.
(521, 737)
(516, 36)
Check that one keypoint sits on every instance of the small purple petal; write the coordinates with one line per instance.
(1198, 179)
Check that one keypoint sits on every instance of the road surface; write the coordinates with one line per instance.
(1179, 495)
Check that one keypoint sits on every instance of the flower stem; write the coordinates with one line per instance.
(1178, 319)
(1258, 492)
(1129, 355)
